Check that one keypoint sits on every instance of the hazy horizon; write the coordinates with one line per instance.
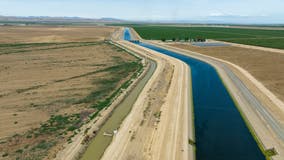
(224, 11)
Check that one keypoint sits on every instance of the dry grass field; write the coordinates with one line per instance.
(49, 89)
(265, 66)
(36, 34)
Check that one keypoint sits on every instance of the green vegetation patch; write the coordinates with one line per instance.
(257, 37)
(191, 142)
(61, 123)
(108, 84)
(44, 145)
(103, 97)
(270, 152)
(270, 43)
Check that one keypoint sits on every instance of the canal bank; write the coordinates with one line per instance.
(220, 131)
(101, 141)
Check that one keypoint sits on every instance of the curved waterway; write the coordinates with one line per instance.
(220, 131)
(100, 142)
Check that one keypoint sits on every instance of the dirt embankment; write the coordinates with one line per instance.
(159, 125)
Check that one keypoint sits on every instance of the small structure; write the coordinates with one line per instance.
(107, 134)
(135, 41)
(114, 132)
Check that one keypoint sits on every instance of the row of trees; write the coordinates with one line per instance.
(186, 39)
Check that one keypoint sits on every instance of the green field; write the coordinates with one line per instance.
(257, 37)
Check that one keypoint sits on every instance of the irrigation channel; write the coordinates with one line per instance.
(220, 131)
(100, 142)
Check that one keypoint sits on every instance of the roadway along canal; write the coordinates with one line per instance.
(220, 131)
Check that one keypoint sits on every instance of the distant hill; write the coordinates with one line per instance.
(112, 20)
(46, 19)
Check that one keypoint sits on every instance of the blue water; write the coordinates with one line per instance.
(220, 131)
(127, 35)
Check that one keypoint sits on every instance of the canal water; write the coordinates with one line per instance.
(220, 131)
(127, 35)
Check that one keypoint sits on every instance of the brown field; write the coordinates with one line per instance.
(48, 90)
(36, 34)
(267, 67)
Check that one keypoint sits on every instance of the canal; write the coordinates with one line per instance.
(220, 131)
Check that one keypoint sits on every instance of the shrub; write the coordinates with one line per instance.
(72, 128)
(5, 155)
(19, 151)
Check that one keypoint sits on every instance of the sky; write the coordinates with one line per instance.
(230, 11)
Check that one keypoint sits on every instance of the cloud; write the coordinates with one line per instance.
(221, 14)
(216, 14)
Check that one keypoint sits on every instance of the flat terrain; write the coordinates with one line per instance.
(37, 34)
(267, 67)
(49, 90)
(257, 37)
